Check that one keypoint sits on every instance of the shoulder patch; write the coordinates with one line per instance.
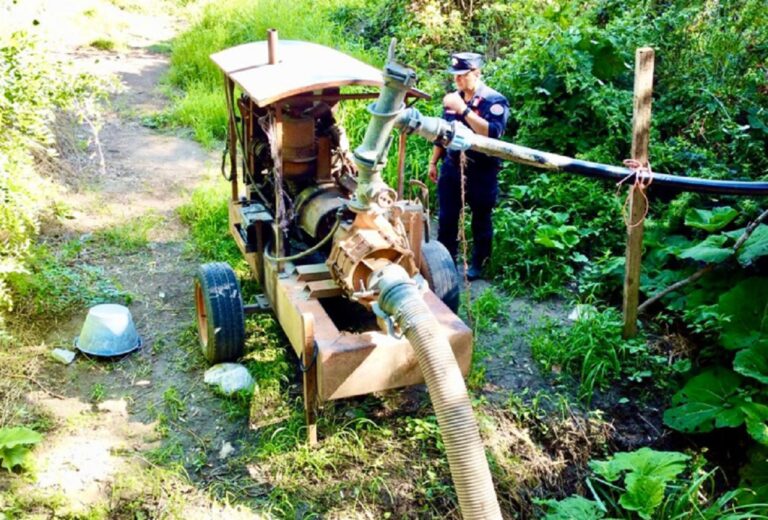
(497, 109)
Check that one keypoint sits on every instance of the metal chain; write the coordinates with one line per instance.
(463, 236)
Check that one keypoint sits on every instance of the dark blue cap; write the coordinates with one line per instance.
(463, 62)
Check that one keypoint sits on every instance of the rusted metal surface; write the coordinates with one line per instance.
(272, 47)
(301, 180)
(301, 67)
(361, 249)
(349, 363)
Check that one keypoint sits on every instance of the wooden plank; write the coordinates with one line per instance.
(323, 289)
(289, 301)
(351, 364)
(638, 201)
(324, 160)
(309, 360)
(312, 272)
(302, 69)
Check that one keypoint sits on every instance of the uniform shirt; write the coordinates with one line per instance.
(494, 108)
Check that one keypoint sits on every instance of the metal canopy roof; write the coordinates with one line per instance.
(302, 67)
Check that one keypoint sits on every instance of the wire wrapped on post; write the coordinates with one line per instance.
(643, 178)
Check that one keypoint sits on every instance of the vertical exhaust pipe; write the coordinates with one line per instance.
(272, 46)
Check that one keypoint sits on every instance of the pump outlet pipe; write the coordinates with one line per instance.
(456, 136)
(370, 156)
(400, 297)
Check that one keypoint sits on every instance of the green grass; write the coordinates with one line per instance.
(488, 311)
(593, 351)
(204, 111)
(103, 44)
(207, 216)
(161, 48)
(98, 392)
(57, 283)
(129, 237)
(360, 456)
(174, 403)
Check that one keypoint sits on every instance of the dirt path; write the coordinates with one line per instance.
(112, 416)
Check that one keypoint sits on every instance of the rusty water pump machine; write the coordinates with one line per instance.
(366, 300)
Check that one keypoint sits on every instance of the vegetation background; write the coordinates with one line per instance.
(567, 69)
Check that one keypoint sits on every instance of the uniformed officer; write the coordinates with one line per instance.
(485, 112)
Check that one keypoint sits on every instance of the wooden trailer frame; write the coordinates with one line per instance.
(336, 364)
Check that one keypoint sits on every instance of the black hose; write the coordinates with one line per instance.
(442, 132)
(547, 160)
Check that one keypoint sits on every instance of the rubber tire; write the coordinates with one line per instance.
(440, 271)
(220, 316)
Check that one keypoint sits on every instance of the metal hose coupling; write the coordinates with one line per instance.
(400, 297)
(453, 135)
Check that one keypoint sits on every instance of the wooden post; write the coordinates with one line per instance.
(309, 362)
(638, 202)
(233, 144)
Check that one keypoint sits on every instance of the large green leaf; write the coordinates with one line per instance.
(755, 246)
(10, 437)
(560, 237)
(710, 220)
(753, 362)
(647, 474)
(714, 399)
(709, 250)
(709, 399)
(573, 508)
(756, 415)
(12, 457)
(645, 461)
(14, 445)
(644, 494)
(746, 305)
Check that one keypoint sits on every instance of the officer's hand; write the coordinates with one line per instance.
(433, 172)
(454, 102)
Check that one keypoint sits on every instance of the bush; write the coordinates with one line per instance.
(32, 89)
(567, 70)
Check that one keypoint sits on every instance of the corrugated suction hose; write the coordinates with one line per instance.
(400, 297)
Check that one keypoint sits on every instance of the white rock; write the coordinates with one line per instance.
(63, 355)
(582, 311)
(229, 378)
(226, 450)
